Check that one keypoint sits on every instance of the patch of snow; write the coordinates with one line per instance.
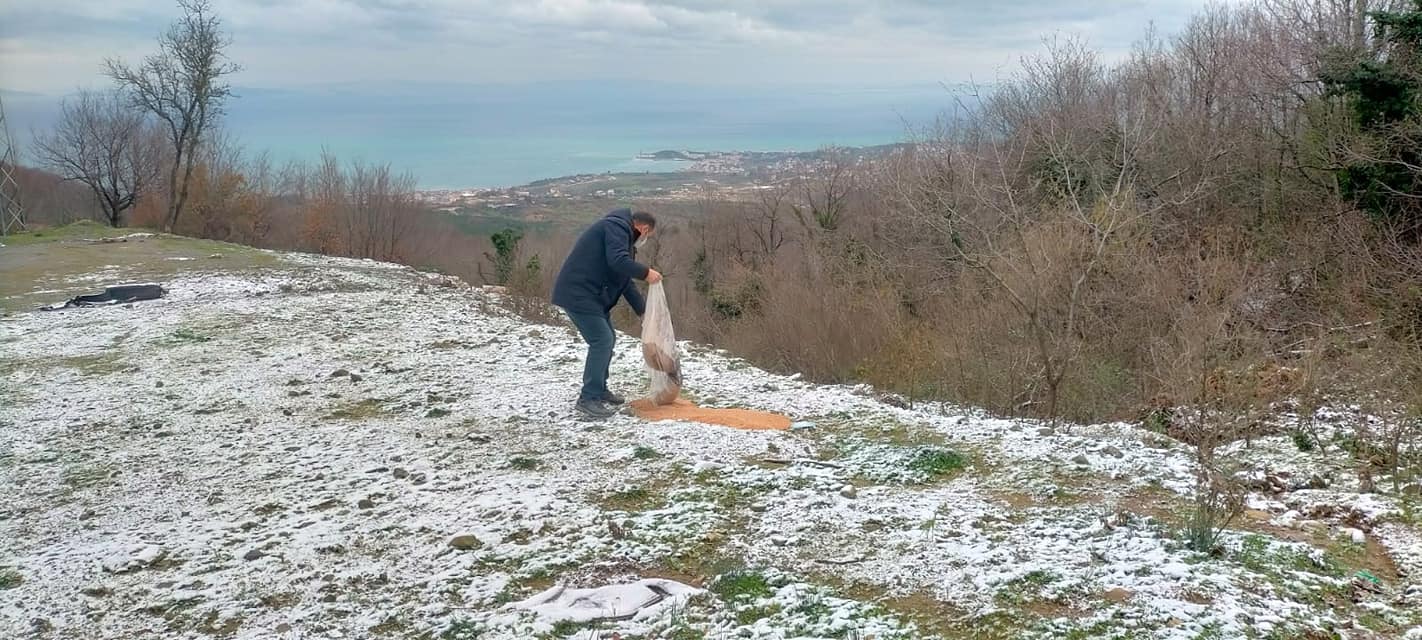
(232, 479)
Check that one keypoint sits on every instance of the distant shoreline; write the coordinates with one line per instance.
(700, 162)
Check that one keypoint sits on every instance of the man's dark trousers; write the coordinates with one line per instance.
(598, 333)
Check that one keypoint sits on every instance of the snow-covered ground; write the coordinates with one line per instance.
(332, 448)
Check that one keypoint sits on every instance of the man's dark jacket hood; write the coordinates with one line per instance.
(601, 267)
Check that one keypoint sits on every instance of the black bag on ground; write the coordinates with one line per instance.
(118, 294)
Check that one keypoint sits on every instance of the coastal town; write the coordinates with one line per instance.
(691, 176)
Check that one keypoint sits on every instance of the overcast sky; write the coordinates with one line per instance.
(54, 46)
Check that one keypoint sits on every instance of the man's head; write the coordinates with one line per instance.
(645, 223)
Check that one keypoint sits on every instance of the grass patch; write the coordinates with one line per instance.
(460, 630)
(742, 585)
(99, 364)
(73, 231)
(10, 578)
(565, 628)
(41, 266)
(437, 412)
(641, 452)
(1259, 553)
(188, 336)
(877, 428)
(630, 499)
(935, 461)
(885, 463)
(83, 477)
(389, 626)
(368, 408)
(524, 463)
(1026, 588)
(684, 631)
(279, 601)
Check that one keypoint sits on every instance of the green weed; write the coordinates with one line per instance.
(933, 461)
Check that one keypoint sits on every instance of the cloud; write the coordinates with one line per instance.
(54, 45)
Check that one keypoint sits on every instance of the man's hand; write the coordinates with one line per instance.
(653, 276)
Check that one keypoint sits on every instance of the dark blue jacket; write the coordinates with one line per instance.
(601, 267)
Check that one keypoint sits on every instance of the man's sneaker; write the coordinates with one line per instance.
(612, 398)
(595, 409)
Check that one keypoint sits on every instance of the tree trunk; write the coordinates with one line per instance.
(182, 189)
(172, 217)
(1360, 24)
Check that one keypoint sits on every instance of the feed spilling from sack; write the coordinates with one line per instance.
(659, 348)
(683, 411)
(664, 366)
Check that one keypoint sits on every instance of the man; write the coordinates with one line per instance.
(598, 271)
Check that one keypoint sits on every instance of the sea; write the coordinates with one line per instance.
(454, 136)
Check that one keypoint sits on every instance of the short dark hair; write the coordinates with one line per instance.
(645, 218)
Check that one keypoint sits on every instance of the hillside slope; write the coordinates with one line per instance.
(294, 446)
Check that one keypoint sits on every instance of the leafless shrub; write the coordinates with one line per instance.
(1222, 382)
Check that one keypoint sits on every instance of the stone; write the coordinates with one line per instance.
(701, 466)
(253, 554)
(1113, 452)
(1314, 526)
(340, 373)
(848, 491)
(894, 401)
(465, 542)
(779, 541)
(355, 378)
(135, 559)
(419, 478)
(1117, 595)
(1414, 489)
(287, 412)
(365, 503)
(1046, 431)
(1356, 535)
(400, 473)
(801, 426)
(1081, 459)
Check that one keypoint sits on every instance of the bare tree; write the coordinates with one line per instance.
(768, 227)
(1211, 360)
(1058, 181)
(106, 146)
(381, 211)
(182, 87)
(825, 191)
